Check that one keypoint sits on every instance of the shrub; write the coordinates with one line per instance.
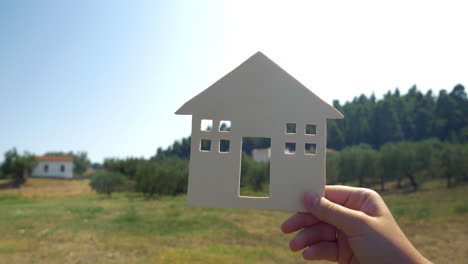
(108, 182)
(163, 177)
(17, 167)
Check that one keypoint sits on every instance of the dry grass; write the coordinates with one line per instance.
(128, 229)
(42, 188)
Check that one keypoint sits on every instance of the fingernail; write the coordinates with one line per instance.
(311, 199)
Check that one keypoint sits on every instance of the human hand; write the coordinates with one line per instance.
(349, 225)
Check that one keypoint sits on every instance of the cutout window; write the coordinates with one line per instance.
(206, 125)
(224, 145)
(289, 148)
(62, 168)
(290, 128)
(225, 126)
(311, 129)
(205, 145)
(310, 149)
(46, 168)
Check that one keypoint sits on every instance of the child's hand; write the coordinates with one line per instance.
(350, 225)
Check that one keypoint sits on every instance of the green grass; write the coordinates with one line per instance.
(13, 198)
(429, 206)
(131, 229)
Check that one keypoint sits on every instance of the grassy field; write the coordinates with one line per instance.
(62, 221)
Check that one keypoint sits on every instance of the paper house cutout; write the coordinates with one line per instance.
(259, 99)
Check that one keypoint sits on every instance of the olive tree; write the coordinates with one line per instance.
(108, 182)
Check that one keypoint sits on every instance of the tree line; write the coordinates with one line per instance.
(413, 116)
(412, 162)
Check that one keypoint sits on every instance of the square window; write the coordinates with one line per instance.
(225, 126)
(205, 145)
(310, 149)
(206, 125)
(290, 128)
(311, 129)
(224, 145)
(289, 148)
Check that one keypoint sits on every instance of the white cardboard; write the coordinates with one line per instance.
(259, 99)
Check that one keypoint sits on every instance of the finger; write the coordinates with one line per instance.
(354, 198)
(348, 220)
(345, 254)
(311, 235)
(322, 250)
(298, 222)
(341, 194)
(338, 193)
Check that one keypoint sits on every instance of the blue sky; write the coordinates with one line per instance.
(106, 76)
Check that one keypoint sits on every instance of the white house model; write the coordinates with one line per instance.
(54, 167)
(259, 99)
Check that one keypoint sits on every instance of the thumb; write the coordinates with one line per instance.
(345, 219)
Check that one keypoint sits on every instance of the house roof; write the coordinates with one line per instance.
(55, 158)
(258, 82)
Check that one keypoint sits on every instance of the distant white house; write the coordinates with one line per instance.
(54, 167)
(261, 154)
